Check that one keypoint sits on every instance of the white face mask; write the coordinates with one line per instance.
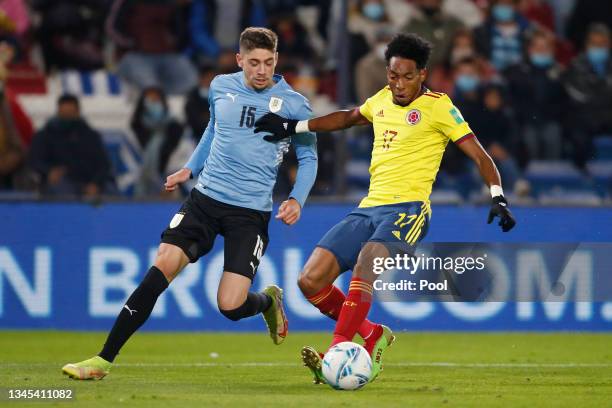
(380, 50)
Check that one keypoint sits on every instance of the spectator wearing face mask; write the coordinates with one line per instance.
(583, 15)
(466, 84)
(462, 46)
(197, 107)
(502, 36)
(537, 94)
(588, 82)
(467, 81)
(371, 70)
(494, 123)
(366, 18)
(433, 24)
(159, 136)
(68, 155)
(484, 108)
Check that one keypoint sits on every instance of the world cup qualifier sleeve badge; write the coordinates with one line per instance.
(413, 117)
(275, 104)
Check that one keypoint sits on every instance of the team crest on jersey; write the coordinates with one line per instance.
(413, 117)
(275, 104)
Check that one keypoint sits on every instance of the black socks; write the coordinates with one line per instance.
(255, 303)
(140, 304)
(135, 312)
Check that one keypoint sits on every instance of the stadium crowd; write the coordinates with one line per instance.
(532, 77)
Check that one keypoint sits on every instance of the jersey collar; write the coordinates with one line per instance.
(279, 83)
(423, 90)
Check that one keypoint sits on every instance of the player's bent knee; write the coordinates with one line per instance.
(309, 284)
(229, 304)
(234, 309)
(170, 260)
(233, 314)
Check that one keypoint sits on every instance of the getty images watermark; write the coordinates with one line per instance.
(497, 272)
(411, 264)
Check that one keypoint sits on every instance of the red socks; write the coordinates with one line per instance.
(329, 301)
(354, 311)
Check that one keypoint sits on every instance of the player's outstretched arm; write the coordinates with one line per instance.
(488, 171)
(281, 128)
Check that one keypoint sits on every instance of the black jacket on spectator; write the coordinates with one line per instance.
(536, 94)
(590, 96)
(173, 132)
(71, 32)
(72, 144)
(197, 113)
(488, 126)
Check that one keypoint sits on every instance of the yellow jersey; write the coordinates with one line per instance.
(409, 142)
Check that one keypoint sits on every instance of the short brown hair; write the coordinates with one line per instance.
(258, 37)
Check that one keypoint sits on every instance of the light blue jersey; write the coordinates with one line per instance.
(236, 166)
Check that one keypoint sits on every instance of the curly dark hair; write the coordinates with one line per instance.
(409, 46)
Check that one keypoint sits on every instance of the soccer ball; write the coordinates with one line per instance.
(347, 366)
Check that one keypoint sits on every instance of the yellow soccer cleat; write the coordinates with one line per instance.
(275, 317)
(94, 368)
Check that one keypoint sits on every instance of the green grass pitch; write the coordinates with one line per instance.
(421, 370)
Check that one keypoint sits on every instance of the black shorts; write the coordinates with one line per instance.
(196, 225)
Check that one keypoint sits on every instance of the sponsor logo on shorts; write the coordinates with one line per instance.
(176, 220)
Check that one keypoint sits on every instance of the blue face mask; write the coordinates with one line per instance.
(467, 83)
(598, 55)
(374, 11)
(503, 13)
(154, 110)
(541, 59)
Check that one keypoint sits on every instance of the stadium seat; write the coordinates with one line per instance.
(603, 147)
(443, 196)
(26, 78)
(11, 195)
(125, 158)
(86, 83)
(463, 183)
(562, 197)
(357, 173)
(546, 176)
(601, 171)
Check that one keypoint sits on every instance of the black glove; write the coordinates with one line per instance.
(280, 127)
(499, 208)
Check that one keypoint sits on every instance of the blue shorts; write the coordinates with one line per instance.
(403, 225)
